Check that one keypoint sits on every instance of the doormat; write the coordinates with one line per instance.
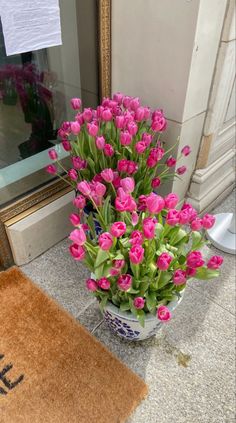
(52, 370)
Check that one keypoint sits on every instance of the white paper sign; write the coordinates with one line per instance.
(30, 25)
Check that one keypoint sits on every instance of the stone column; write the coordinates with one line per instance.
(214, 176)
(165, 52)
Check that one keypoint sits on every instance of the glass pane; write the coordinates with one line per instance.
(35, 92)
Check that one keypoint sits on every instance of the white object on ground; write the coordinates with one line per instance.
(223, 234)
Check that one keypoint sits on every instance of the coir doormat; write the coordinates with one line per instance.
(51, 369)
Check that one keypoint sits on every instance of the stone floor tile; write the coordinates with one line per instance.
(91, 317)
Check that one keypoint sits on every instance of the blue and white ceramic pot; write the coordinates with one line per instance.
(125, 325)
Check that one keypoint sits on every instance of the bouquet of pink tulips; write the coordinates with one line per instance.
(139, 246)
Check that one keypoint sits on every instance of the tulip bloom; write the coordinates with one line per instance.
(215, 262)
(79, 163)
(91, 285)
(75, 127)
(149, 226)
(171, 162)
(164, 261)
(154, 203)
(107, 175)
(124, 282)
(92, 129)
(156, 182)
(77, 252)
(136, 254)
(105, 241)
(208, 221)
(100, 143)
(72, 174)
(140, 147)
(106, 114)
(186, 150)
(181, 170)
(53, 154)
(125, 138)
(108, 150)
(78, 236)
(79, 202)
(104, 283)
(127, 184)
(75, 103)
(163, 313)
(172, 217)
(194, 259)
(87, 114)
(66, 145)
(171, 200)
(190, 272)
(179, 277)
(134, 218)
(118, 229)
(51, 169)
(124, 202)
(196, 224)
(136, 237)
(184, 217)
(84, 188)
(75, 219)
(139, 303)
(191, 211)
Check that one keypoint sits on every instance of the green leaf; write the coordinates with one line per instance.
(181, 259)
(143, 287)
(119, 256)
(178, 236)
(106, 209)
(205, 274)
(103, 302)
(90, 221)
(141, 317)
(102, 256)
(151, 301)
(132, 291)
(196, 240)
(125, 306)
(99, 272)
(164, 279)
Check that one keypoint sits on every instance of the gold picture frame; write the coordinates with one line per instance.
(19, 209)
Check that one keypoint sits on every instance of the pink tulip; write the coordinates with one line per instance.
(159, 124)
(79, 163)
(179, 277)
(124, 282)
(132, 128)
(79, 117)
(136, 254)
(53, 154)
(100, 142)
(118, 264)
(208, 221)
(142, 206)
(136, 238)
(97, 178)
(171, 200)
(186, 150)
(196, 224)
(147, 113)
(77, 251)
(140, 147)
(106, 115)
(118, 97)
(163, 313)
(72, 174)
(99, 189)
(134, 218)
(181, 170)
(75, 103)
(191, 211)
(155, 155)
(156, 182)
(194, 259)
(84, 188)
(184, 217)
(104, 283)
(92, 129)
(124, 202)
(66, 145)
(125, 138)
(127, 166)
(66, 126)
(120, 122)
(127, 184)
(147, 138)
(164, 261)
(75, 127)
(215, 262)
(190, 272)
(139, 114)
(78, 236)
(116, 180)
(51, 169)
(155, 203)
(134, 103)
(139, 303)
(75, 219)
(108, 150)
(126, 101)
(79, 202)
(87, 114)
(149, 226)
(171, 162)
(105, 241)
(91, 285)
(107, 175)
(172, 217)
(118, 229)
(132, 167)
